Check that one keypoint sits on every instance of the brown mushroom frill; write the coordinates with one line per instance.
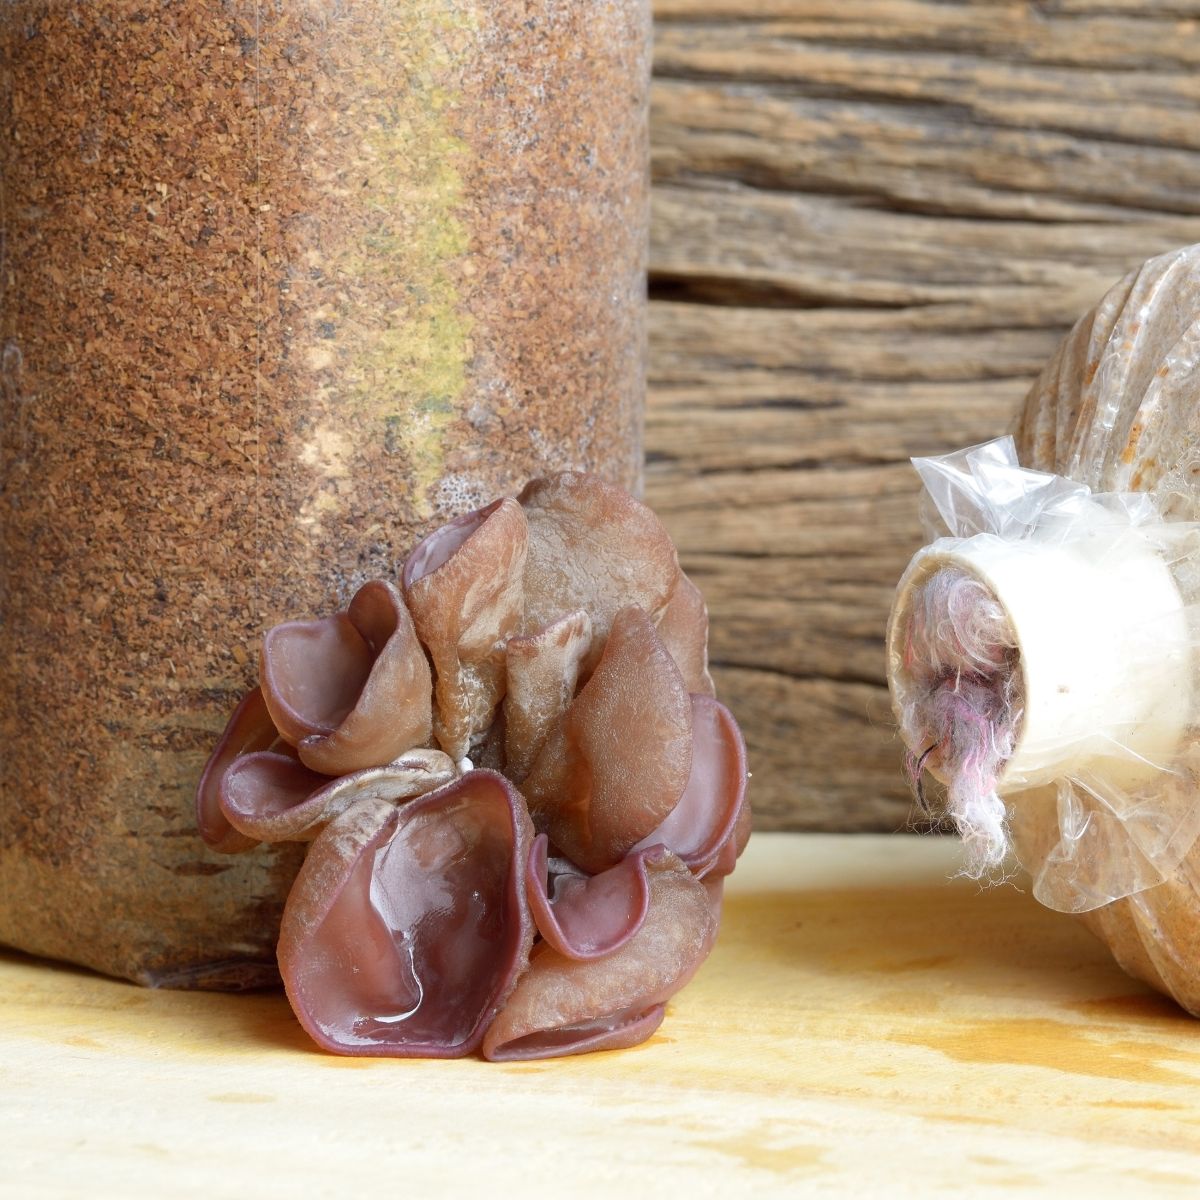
(551, 899)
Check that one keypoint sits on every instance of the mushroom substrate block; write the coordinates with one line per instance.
(284, 287)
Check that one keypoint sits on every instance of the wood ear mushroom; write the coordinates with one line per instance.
(553, 904)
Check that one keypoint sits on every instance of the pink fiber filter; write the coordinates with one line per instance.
(1043, 647)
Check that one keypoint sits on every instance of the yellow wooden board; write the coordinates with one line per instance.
(864, 1027)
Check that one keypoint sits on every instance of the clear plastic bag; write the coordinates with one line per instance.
(1101, 790)
(1108, 443)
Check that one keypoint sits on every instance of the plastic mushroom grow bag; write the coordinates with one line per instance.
(1044, 651)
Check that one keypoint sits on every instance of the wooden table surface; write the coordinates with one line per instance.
(864, 1027)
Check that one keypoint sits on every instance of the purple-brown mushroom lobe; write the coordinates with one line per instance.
(585, 916)
(569, 657)
(683, 627)
(248, 730)
(351, 690)
(272, 797)
(407, 927)
(261, 791)
(543, 673)
(705, 818)
(563, 1005)
(594, 547)
(619, 758)
(731, 851)
(463, 586)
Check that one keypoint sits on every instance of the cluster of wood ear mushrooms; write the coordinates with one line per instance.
(520, 793)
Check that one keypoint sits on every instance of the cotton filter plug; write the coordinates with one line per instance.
(1044, 644)
(959, 651)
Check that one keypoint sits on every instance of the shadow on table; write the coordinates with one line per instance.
(935, 941)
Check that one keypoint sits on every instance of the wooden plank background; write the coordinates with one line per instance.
(873, 219)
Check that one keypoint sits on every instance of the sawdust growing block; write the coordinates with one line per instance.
(285, 286)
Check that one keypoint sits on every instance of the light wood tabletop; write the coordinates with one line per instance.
(864, 1027)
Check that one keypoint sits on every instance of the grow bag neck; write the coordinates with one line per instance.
(1101, 647)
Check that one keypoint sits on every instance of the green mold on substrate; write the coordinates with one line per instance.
(408, 370)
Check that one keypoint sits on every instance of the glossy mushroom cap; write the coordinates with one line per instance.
(619, 758)
(567, 1005)
(556, 642)
(594, 547)
(351, 690)
(407, 927)
(463, 585)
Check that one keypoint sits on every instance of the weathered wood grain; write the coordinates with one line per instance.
(872, 221)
